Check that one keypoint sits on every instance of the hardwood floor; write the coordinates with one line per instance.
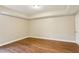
(36, 45)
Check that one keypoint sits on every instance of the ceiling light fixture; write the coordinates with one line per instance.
(36, 6)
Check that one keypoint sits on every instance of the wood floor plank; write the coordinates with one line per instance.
(36, 45)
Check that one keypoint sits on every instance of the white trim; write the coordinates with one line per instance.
(54, 39)
(77, 42)
(13, 41)
(40, 38)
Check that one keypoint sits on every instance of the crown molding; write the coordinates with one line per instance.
(51, 16)
(9, 12)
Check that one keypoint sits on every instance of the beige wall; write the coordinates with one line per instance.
(77, 27)
(61, 28)
(12, 28)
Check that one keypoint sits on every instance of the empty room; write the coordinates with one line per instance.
(39, 28)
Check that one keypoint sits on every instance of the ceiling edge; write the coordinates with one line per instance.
(13, 14)
(52, 16)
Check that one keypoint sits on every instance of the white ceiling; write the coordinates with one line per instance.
(29, 11)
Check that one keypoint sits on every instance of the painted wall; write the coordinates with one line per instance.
(12, 28)
(59, 28)
(77, 27)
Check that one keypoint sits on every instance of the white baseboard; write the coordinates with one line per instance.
(77, 42)
(54, 39)
(13, 41)
(38, 37)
